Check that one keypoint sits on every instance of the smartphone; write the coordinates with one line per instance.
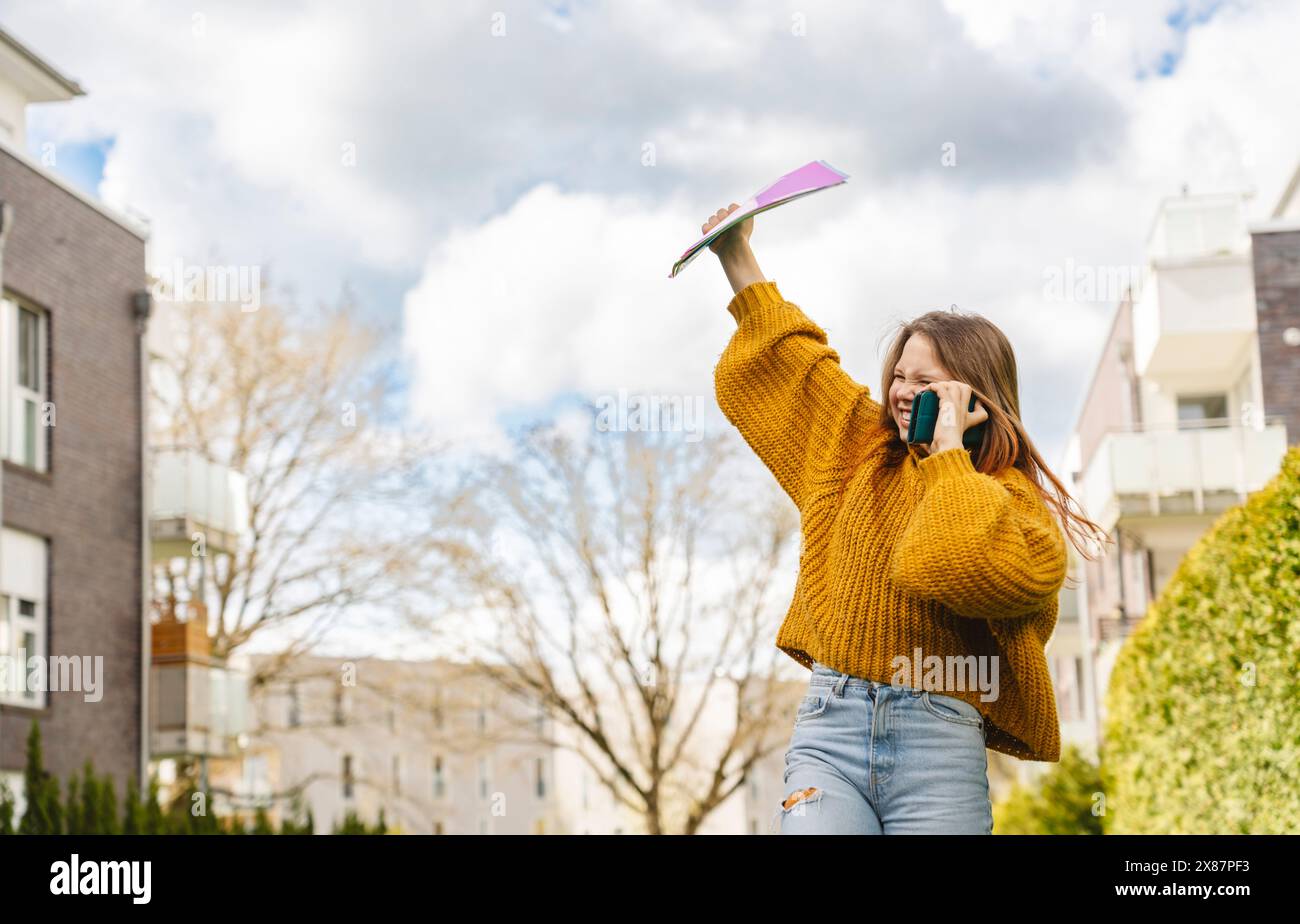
(925, 414)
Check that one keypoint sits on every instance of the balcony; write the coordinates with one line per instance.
(192, 494)
(1171, 470)
(1114, 629)
(1198, 226)
(198, 703)
(1068, 603)
(197, 709)
(1195, 312)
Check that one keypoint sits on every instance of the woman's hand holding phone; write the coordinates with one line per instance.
(954, 418)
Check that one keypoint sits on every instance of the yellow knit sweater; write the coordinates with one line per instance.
(930, 558)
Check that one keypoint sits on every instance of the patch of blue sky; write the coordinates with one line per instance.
(526, 415)
(1184, 17)
(81, 163)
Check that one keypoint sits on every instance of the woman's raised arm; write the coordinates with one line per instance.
(781, 384)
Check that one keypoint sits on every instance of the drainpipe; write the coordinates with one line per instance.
(142, 307)
(1123, 592)
(6, 223)
(1132, 381)
(1089, 696)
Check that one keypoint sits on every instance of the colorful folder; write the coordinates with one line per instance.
(810, 178)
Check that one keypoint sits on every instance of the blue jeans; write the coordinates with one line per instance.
(870, 758)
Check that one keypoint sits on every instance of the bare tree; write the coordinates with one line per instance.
(299, 405)
(627, 580)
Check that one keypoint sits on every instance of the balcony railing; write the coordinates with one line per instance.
(1112, 628)
(191, 493)
(1194, 316)
(197, 709)
(1192, 226)
(1190, 468)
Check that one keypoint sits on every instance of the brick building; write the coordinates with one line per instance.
(1275, 250)
(72, 575)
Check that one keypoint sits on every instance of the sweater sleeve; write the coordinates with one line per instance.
(983, 547)
(782, 386)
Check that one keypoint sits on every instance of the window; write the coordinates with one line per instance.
(437, 709)
(1203, 410)
(14, 781)
(439, 779)
(22, 614)
(295, 705)
(18, 643)
(1079, 687)
(257, 784)
(24, 408)
(541, 777)
(397, 775)
(1064, 692)
(1067, 672)
(347, 776)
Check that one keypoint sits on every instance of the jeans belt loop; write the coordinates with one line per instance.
(839, 685)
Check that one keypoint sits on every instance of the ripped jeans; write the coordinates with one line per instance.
(870, 758)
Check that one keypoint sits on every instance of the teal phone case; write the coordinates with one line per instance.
(925, 414)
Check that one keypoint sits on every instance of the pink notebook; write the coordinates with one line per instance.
(810, 178)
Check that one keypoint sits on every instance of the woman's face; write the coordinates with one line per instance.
(916, 368)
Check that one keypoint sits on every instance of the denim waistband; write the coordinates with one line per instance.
(824, 674)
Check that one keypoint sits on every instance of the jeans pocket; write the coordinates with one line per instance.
(951, 709)
(811, 706)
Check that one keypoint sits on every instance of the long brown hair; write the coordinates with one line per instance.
(975, 351)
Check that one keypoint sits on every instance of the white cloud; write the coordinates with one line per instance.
(504, 175)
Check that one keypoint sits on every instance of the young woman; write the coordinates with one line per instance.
(928, 574)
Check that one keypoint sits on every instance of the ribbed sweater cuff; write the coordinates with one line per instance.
(754, 297)
(950, 463)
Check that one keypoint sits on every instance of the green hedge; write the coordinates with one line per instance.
(1203, 710)
(90, 807)
(1063, 801)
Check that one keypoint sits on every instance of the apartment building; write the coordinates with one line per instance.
(436, 745)
(1194, 401)
(440, 748)
(72, 570)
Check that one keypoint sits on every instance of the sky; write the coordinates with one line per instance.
(506, 185)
